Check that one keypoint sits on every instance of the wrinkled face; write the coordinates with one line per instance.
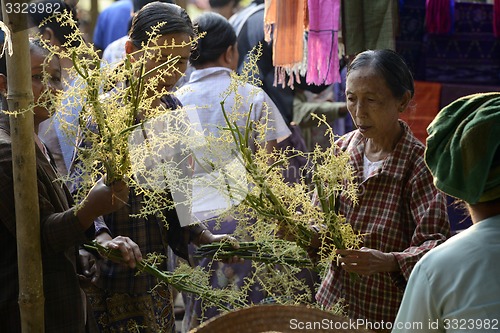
(170, 47)
(372, 106)
(46, 85)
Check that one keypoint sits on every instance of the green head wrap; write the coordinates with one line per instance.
(463, 148)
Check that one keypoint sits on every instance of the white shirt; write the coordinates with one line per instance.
(204, 93)
(370, 167)
(455, 287)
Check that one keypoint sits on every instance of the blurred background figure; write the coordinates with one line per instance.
(226, 8)
(115, 51)
(112, 23)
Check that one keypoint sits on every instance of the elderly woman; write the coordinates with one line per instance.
(400, 213)
(463, 154)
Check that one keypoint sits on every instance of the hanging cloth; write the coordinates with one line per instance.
(322, 44)
(284, 25)
(496, 18)
(369, 25)
(438, 16)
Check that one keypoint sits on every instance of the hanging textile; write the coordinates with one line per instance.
(496, 18)
(284, 25)
(439, 16)
(369, 24)
(322, 43)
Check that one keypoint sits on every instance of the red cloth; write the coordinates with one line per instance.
(438, 16)
(496, 18)
(423, 109)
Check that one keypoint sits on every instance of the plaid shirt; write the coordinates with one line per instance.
(401, 212)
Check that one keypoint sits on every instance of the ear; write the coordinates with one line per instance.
(48, 34)
(228, 56)
(405, 101)
(129, 47)
(3, 84)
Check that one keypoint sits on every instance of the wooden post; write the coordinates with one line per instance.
(94, 13)
(20, 97)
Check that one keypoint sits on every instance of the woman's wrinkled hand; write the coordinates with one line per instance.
(131, 254)
(367, 261)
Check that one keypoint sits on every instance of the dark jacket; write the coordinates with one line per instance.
(60, 234)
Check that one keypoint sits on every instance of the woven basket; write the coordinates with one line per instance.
(278, 318)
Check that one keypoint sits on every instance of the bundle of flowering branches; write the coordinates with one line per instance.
(184, 279)
(119, 132)
(267, 204)
(273, 251)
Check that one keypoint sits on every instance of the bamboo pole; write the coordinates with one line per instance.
(20, 97)
(94, 13)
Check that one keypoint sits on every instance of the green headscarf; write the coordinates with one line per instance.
(463, 148)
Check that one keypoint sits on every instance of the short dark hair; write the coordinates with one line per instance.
(219, 35)
(391, 66)
(175, 18)
(61, 31)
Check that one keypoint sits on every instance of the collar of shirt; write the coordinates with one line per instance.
(199, 74)
(392, 164)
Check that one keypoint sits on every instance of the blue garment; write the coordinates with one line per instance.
(112, 23)
(456, 284)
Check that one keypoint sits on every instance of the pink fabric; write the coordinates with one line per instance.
(322, 44)
(438, 16)
(496, 18)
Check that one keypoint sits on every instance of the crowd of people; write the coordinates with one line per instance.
(409, 270)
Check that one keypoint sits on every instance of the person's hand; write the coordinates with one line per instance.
(107, 199)
(130, 251)
(102, 200)
(206, 237)
(88, 263)
(367, 261)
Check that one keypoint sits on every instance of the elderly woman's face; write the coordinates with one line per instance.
(372, 106)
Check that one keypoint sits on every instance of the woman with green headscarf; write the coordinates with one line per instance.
(455, 286)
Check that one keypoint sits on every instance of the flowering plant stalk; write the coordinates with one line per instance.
(184, 279)
(293, 207)
(110, 116)
(274, 251)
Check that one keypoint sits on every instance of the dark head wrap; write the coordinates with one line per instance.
(463, 148)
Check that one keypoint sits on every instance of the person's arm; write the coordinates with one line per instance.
(428, 210)
(302, 110)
